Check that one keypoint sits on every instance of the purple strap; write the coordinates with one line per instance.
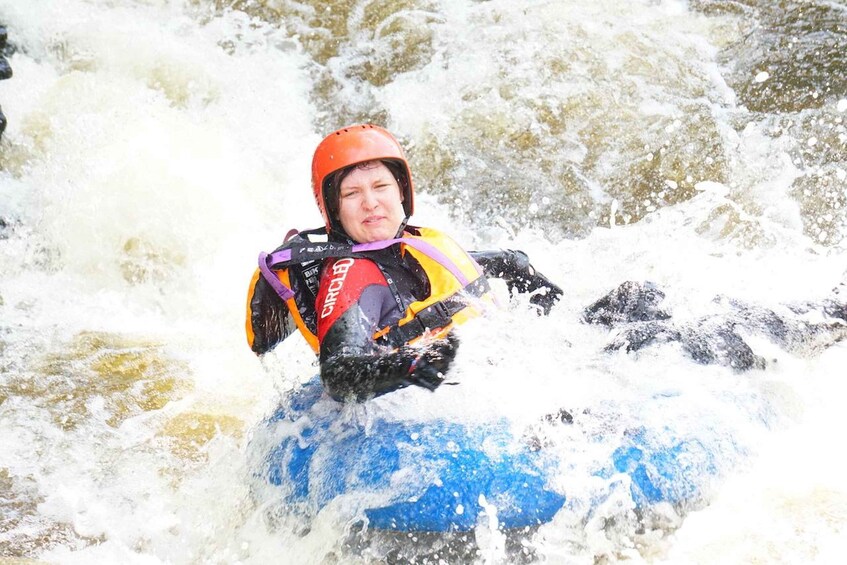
(283, 291)
(278, 257)
(422, 246)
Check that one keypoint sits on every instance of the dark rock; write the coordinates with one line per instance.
(563, 416)
(719, 344)
(795, 330)
(801, 44)
(6, 49)
(5, 69)
(708, 342)
(835, 309)
(630, 302)
(632, 310)
(638, 335)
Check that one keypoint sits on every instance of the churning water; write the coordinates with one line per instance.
(154, 147)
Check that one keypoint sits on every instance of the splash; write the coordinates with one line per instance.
(154, 148)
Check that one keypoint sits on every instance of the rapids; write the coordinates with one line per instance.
(154, 147)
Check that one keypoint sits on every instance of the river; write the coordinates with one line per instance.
(155, 147)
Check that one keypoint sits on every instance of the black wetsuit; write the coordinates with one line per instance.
(353, 365)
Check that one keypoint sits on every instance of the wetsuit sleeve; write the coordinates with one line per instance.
(351, 305)
(514, 267)
(268, 320)
(360, 377)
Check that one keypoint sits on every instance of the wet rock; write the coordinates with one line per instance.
(708, 342)
(632, 310)
(638, 335)
(7, 227)
(560, 416)
(630, 302)
(795, 327)
(5, 68)
(6, 49)
(719, 344)
(794, 59)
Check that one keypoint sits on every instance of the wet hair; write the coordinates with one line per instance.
(332, 185)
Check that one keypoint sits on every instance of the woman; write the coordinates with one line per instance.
(387, 294)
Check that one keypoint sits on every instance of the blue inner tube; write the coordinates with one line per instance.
(438, 476)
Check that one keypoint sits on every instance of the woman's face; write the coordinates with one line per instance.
(370, 205)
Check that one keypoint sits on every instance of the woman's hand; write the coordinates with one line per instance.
(429, 368)
(513, 266)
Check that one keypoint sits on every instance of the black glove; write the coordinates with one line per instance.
(546, 293)
(360, 377)
(527, 279)
(513, 266)
(428, 369)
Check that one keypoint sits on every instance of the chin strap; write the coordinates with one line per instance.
(402, 227)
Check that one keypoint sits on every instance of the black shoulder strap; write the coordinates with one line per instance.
(436, 315)
(303, 256)
(300, 250)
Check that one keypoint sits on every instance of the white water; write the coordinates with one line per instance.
(148, 165)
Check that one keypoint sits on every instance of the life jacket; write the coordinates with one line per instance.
(283, 289)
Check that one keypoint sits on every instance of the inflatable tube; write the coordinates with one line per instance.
(439, 476)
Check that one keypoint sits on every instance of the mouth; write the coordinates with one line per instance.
(371, 220)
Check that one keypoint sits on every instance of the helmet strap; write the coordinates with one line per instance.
(402, 227)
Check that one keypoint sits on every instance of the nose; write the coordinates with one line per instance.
(369, 200)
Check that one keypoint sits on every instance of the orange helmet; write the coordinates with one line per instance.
(353, 145)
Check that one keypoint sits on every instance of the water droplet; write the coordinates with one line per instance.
(762, 76)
